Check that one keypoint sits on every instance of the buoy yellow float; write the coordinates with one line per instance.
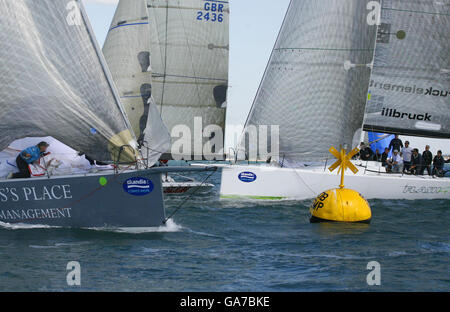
(341, 204)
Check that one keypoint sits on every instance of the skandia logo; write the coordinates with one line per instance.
(389, 112)
(138, 186)
(247, 177)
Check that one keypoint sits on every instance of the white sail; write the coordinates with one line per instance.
(156, 136)
(127, 53)
(53, 81)
(189, 47)
(316, 81)
(410, 82)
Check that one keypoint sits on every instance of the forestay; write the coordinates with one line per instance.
(189, 47)
(127, 53)
(410, 82)
(53, 80)
(316, 81)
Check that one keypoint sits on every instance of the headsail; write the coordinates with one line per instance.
(127, 53)
(315, 83)
(189, 59)
(410, 82)
(53, 80)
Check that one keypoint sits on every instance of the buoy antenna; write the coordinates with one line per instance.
(343, 162)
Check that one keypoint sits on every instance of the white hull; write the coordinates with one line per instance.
(286, 183)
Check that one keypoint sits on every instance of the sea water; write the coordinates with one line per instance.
(227, 245)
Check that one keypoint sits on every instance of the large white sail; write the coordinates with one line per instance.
(189, 47)
(53, 81)
(410, 82)
(127, 53)
(316, 81)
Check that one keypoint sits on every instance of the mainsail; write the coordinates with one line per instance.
(127, 53)
(410, 82)
(53, 81)
(316, 81)
(189, 47)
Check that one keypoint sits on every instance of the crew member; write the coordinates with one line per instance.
(366, 152)
(396, 162)
(377, 155)
(416, 162)
(384, 160)
(438, 164)
(406, 152)
(427, 158)
(27, 157)
(396, 143)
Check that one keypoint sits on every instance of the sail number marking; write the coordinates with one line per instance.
(212, 12)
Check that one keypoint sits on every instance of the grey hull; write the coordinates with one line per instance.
(131, 199)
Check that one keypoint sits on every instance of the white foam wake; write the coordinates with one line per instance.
(170, 226)
(58, 245)
(21, 226)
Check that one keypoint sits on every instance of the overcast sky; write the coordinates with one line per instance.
(254, 26)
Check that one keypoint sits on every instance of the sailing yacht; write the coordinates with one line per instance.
(335, 71)
(54, 82)
(161, 50)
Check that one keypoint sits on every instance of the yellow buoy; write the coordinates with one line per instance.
(341, 204)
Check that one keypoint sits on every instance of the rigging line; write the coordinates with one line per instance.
(165, 58)
(7, 162)
(323, 49)
(186, 83)
(13, 149)
(153, 150)
(189, 197)
(190, 77)
(130, 24)
(415, 11)
(306, 184)
(116, 175)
